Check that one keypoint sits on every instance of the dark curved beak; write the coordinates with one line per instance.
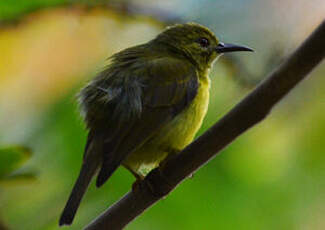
(225, 47)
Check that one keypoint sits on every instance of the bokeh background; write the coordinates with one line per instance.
(272, 177)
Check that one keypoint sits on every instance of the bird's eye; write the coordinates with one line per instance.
(204, 42)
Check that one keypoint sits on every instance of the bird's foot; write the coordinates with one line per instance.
(136, 185)
(155, 183)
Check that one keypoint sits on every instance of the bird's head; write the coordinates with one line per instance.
(196, 42)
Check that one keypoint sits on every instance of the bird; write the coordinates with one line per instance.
(146, 105)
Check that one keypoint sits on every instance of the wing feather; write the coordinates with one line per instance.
(146, 97)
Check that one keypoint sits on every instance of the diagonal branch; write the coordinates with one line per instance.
(250, 111)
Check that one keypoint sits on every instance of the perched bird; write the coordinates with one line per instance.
(146, 105)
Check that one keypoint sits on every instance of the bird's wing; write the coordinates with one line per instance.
(149, 97)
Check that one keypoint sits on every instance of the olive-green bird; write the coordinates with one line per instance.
(146, 105)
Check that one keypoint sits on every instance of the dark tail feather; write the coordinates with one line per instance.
(88, 169)
(110, 163)
(105, 173)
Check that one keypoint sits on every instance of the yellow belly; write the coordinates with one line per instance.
(176, 135)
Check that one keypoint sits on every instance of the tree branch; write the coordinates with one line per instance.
(250, 111)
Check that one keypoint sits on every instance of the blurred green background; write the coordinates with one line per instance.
(272, 177)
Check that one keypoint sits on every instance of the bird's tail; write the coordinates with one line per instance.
(89, 167)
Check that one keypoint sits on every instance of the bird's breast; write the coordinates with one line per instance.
(176, 135)
(182, 129)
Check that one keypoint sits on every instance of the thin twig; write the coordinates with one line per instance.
(250, 111)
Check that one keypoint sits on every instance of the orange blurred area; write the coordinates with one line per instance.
(53, 50)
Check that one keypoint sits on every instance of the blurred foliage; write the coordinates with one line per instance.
(272, 177)
(11, 158)
(15, 8)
